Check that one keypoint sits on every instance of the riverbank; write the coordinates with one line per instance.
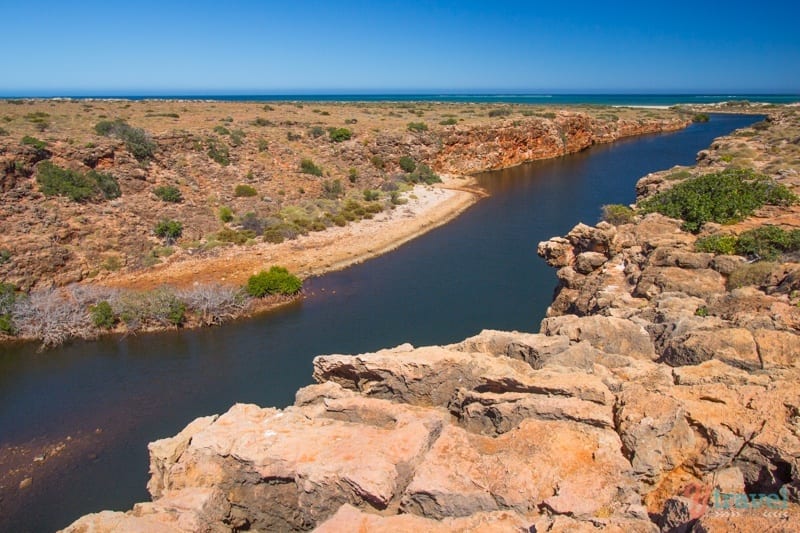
(664, 381)
(189, 204)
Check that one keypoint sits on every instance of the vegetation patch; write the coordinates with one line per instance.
(168, 193)
(137, 141)
(77, 186)
(338, 135)
(219, 152)
(244, 191)
(422, 174)
(417, 127)
(33, 142)
(169, 230)
(307, 166)
(277, 280)
(757, 274)
(618, 214)
(724, 197)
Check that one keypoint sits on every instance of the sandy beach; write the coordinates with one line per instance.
(316, 253)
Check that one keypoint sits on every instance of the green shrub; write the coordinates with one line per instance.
(102, 315)
(338, 135)
(352, 174)
(33, 142)
(423, 174)
(757, 274)
(5, 256)
(316, 131)
(448, 122)
(371, 195)
(168, 193)
(407, 164)
(225, 214)
(222, 130)
(724, 197)
(244, 191)
(56, 181)
(717, 244)
(417, 127)
(263, 145)
(3, 132)
(8, 295)
(235, 237)
(136, 140)
(262, 122)
(277, 280)
(307, 166)
(219, 153)
(700, 117)
(108, 184)
(169, 230)
(767, 242)
(618, 214)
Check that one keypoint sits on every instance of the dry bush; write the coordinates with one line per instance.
(56, 315)
(214, 303)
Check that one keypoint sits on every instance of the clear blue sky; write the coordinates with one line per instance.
(90, 47)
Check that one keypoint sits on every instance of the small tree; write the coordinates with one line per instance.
(277, 280)
(169, 230)
(407, 164)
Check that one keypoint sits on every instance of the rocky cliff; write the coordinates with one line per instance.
(655, 397)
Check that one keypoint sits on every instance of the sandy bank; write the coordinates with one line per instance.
(316, 253)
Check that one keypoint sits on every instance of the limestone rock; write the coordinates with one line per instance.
(607, 334)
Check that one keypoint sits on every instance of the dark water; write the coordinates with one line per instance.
(461, 97)
(479, 271)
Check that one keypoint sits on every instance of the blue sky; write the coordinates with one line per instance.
(202, 47)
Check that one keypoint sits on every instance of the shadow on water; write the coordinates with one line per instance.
(478, 271)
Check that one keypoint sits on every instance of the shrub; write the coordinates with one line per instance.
(56, 181)
(717, 244)
(338, 135)
(244, 191)
(8, 295)
(5, 256)
(618, 214)
(222, 130)
(417, 127)
(263, 145)
(237, 137)
(700, 117)
(168, 193)
(33, 142)
(407, 164)
(235, 237)
(219, 153)
(307, 166)
(291, 136)
(169, 230)
(750, 274)
(724, 197)
(332, 189)
(102, 315)
(423, 174)
(448, 122)
(3, 132)
(502, 112)
(277, 280)
(225, 214)
(316, 131)
(136, 140)
(371, 195)
(108, 184)
(262, 122)
(352, 174)
(377, 162)
(767, 242)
